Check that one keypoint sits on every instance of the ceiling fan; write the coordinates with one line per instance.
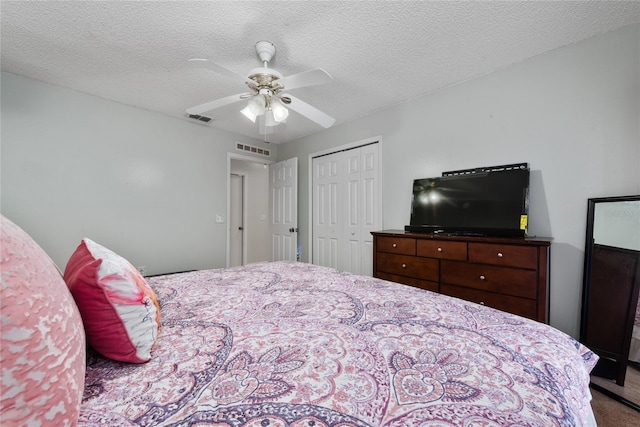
(267, 101)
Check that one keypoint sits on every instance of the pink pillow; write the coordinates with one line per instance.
(42, 340)
(120, 311)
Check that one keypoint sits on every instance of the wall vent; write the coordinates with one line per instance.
(251, 149)
(204, 119)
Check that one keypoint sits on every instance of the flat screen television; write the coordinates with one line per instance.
(486, 203)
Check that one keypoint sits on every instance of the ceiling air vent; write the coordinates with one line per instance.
(198, 117)
(251, 149)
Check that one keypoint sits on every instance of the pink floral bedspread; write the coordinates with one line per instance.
(292, 344)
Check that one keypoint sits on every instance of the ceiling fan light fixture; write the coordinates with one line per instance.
(263, 129)
(248, 114)
(269, 119)
(280, 113)
(257, 105)
(269, 107)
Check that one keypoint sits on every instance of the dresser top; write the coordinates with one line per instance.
(530, 240)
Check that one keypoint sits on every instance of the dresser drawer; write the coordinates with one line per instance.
(509, 281)
(411, 281)
(403, 265)
(507, 255)
(520, 306)
(396, 245)
(442, 249)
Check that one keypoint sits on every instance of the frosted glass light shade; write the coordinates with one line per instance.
(257, 105)
(248, 114)
(280, 113)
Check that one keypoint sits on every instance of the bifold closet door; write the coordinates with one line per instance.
(346, 208)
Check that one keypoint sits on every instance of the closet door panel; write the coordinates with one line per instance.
(326, 215)
(346, 208)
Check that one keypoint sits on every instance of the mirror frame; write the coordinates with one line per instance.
(586, 282)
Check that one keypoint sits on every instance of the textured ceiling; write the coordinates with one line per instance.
(379, 53)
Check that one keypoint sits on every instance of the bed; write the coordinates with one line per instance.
(293, 344)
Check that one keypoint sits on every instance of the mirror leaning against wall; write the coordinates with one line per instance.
(610, 323)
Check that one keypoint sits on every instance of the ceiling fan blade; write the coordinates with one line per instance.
(310, 112)
(208, 106)
(306, 78)
(205, 63)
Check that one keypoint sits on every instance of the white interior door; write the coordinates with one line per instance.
(283, 185)
(346, 208)
(236, 220)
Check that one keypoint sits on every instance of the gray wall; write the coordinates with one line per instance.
(143, 184)
(572, 113)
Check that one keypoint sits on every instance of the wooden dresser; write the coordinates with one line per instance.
(510, 274)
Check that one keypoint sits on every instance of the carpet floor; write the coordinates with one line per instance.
(611, 413)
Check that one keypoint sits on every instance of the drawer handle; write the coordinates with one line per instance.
(499, 254)
(439, 249)
(404, 265)
(394, 245)
(483, 278)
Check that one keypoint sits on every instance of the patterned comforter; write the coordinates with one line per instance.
(292, 344)
(634, 348)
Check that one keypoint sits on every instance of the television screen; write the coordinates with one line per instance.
(484, 203)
